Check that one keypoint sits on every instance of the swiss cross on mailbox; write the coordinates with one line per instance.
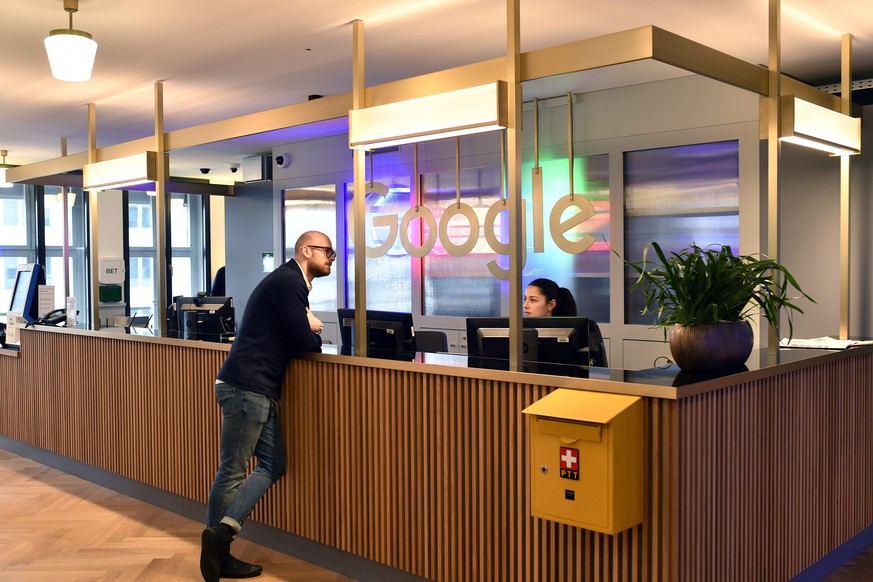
(569, 463)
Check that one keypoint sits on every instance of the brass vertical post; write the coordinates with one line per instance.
(358, 206)
(774, 149)
(164, 250)
(845, 166)
(513, 180)
(94, 255)
(65, 216)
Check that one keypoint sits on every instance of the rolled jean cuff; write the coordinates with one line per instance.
(234, 524)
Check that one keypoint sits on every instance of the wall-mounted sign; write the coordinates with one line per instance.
(112, 271)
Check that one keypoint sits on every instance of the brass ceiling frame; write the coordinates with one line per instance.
(646, 42)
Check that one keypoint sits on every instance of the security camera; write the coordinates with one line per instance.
(204, 170)
(283, 160)
(234, 168)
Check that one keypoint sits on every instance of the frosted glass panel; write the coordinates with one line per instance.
(462, 286)
(313, 208)
(389, 277)
(678, 196)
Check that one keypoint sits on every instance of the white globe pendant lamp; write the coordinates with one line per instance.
(71, 52)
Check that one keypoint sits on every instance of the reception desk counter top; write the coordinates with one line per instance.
(663, 382)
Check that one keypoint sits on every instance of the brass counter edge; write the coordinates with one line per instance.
(134, 338)
(613, 386)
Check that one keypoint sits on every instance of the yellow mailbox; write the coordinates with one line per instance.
(586, 459)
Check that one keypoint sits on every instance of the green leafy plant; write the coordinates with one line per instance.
(699, 286)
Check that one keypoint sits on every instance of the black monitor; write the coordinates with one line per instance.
(25, 289)
(205, 318)
(570, 341)
(386, 330)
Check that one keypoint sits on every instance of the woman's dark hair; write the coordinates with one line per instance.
(564, 302)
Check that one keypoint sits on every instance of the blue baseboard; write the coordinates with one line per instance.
(839, 556)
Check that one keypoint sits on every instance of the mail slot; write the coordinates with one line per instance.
(586, 459)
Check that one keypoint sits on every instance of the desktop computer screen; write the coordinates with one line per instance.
(24, 301)
(569, 341)
(386, 330)
(204, 318)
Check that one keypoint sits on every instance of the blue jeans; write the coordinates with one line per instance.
(249, 428)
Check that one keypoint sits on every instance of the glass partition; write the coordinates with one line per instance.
(18, 243)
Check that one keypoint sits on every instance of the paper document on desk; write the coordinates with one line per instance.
(822, 343)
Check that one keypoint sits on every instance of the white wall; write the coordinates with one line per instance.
(810, 230)
(247, 237)
(110, 242)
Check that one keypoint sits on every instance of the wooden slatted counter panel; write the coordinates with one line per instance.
(427, 472)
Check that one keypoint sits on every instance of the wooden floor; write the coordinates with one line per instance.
(54, 526)
(857, 569)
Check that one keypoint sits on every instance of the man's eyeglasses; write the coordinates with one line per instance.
(328, 252)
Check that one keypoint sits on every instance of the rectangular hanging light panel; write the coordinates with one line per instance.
(461, 112)
(813, 126)
(121, 172)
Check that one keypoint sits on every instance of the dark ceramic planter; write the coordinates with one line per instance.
(718, 346)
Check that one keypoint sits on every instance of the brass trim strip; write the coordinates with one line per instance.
(162, 235)
(646, 42)
(845, 188)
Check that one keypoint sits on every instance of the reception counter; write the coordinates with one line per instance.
(423, 465)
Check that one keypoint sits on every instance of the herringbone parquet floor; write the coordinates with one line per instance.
(56, 527)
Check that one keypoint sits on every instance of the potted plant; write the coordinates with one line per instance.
(706, 296)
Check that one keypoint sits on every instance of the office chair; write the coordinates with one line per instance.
(431, 341)
(596, 347)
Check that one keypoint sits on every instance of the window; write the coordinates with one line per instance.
(142, 253)
(20, 243)
(187, 225)
(187, 228)
(77, 229)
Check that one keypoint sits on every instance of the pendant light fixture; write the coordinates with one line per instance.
(71, 52)
(3, 167)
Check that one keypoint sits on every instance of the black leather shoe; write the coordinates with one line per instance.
(214, 550)
(236, 568)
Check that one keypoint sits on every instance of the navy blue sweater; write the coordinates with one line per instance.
(274, 328)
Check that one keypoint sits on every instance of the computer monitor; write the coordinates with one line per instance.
(572, 341)
(24, 302)
(386, 330)
(205, 318)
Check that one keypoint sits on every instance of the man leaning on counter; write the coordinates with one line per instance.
(276, 325)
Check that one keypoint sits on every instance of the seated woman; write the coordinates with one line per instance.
(544, 298)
